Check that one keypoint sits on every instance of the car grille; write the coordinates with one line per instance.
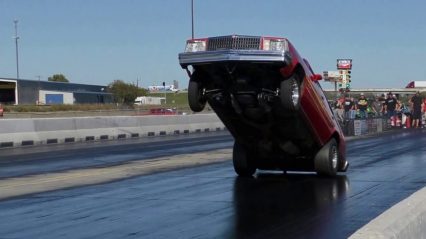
(233, 43)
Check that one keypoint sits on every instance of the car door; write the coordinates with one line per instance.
(316, 108)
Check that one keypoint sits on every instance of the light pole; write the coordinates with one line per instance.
(16, 47)
(192, 17)
(165, 93)
(38, 90)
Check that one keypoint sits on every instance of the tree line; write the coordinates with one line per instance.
(125, 93)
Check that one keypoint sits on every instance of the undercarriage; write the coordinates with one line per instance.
(252, 101)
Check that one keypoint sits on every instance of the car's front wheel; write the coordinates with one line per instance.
(196, 99)
(244, 164)
(327, 159)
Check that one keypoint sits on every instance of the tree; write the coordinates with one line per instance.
(142, 92)
(124, 93)
(58, 78)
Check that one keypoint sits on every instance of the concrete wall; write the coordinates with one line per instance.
(22, 132)
(406, 219)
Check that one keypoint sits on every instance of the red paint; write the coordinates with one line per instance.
(314, 104)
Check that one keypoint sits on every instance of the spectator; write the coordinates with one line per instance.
(377, 107)
(390, 106)
(405, 114)
(348, 106)
(339, 109)
(362, 106)
(416, 103)
(398, 104)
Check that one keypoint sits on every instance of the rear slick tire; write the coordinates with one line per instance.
(196, 99)
(243, 163)
(327, 159)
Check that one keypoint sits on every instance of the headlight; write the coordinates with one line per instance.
(274, 44)
(196, 45)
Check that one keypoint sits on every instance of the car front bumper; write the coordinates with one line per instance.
(255, 56)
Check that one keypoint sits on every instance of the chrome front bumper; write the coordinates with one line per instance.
(255, 56)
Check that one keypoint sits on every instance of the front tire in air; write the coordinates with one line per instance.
(327, 159)
(196, 99)
(243, 162)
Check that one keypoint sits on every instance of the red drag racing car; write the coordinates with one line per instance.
(269, 99)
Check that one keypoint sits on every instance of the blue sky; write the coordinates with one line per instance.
(98, 41)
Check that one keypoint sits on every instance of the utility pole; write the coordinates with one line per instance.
(39, 88)
(165, 93)
(16, 48)
(192, 17)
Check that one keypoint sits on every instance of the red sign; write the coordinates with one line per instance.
(344, 64)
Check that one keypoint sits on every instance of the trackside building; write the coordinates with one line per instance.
(18, 91)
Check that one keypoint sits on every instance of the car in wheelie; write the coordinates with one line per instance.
(269, 99)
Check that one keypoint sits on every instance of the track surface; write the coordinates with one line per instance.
(209, 201)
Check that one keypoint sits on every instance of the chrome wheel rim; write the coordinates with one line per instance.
(295, 93)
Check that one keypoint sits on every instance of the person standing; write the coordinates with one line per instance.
(339, 109)
(390, 106)
(362, 106)
(377, 107)
(349, 106)
(416, 103)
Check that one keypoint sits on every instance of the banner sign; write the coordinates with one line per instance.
(343, 64)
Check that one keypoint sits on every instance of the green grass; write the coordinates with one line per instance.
(55, 108)
(177, 100)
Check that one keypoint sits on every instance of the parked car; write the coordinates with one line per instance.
(270, 100)
(162, 111)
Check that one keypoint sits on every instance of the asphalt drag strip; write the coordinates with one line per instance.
(25, 185)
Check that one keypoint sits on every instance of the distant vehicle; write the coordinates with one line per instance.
(416, 84)
(139, 100)
(160, 88)
(148, 100)
(270, 100)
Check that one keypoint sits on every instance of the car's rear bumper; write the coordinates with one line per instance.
(255, 56)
